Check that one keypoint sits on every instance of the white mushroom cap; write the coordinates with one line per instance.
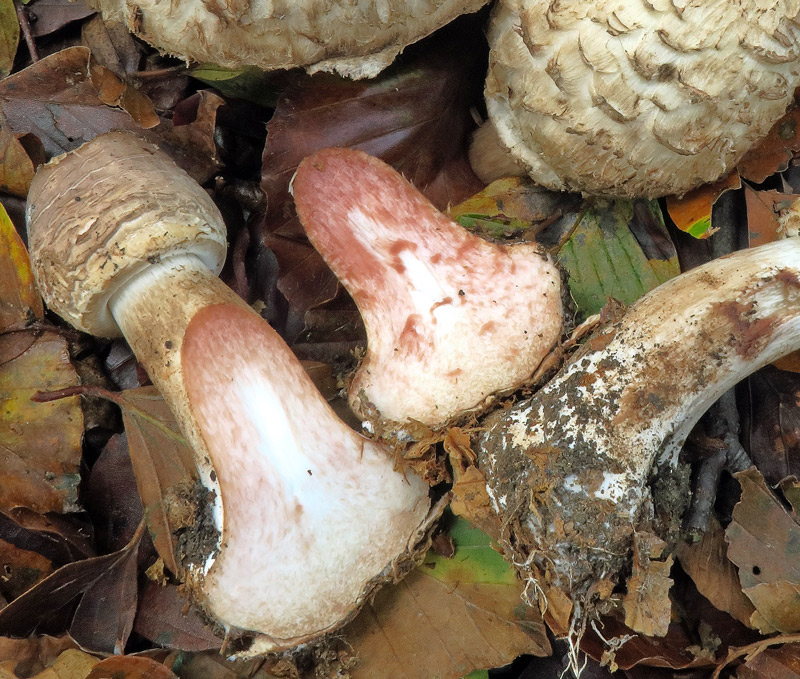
(354, 39)
(88, 250)
(641, 97)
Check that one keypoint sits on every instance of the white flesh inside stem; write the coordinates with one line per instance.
(583, 447)
(313, 512)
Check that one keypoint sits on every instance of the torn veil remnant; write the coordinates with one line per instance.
(567, 470)
(311, 516)
(636, 98)
(451, 319)
(354, 39)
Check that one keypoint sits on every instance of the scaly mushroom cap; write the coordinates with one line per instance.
(642, 97)
(107, 230)
(354, 39)
(451, 318)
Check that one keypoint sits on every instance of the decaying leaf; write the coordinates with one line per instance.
(20, 154)
(616, 249)
(130, 667)
(70, 664)
(775, 151)
(165, 619)
(715, 577)
(647, 604)
(163, 464)
(104, 588)
(35, 652)
(448, 618)
(763, 208)
(513, 207)
(764, 542)
(52, 15)
(20, 301)
(692, 212)
(774, 663)
(41, 442)
(772, 426)
(56, 100)
(9, 36)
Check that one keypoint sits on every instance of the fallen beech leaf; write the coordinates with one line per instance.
(164, 618)
(105, 587)
(130, 667)
(55, 99)
(163, 464)
(764, 542)
(71, 664)
(41, 442)
(9, 36)
(36, 652)
(19, 156)
(512, 207)
(692, 212)
(52, 15)
(716, 578)
(771, 426)
(617, 249)
(20, 301)
(473, 613)
(774, 152)
(112, 497)
(762, 214)
(775, 663)
(647, 605)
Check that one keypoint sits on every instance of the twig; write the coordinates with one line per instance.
(25, 27)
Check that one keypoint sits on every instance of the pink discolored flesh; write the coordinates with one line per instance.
(450, 318)
(312, 512)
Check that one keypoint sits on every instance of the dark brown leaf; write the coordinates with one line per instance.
(774, 663)
(51, 15)
(165, 618)
(772, 425)
(773, 153)
(56, 100)
(106, 587)
(112, 45)
(764, 542)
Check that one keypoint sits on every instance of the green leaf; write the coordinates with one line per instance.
(248, 83)
(474, 561)
(617, 249)
(9, 36)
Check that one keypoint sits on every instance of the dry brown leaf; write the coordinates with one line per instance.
(423, 628)
(716, 578)
(647, 604)
(130, 667)
(70, 664)
(773, 663)
(692, 211)
(19, 156)
(762, 214)
(775, 151)
(40, 442)
(36, 652)
(56, 100)
(163, 464)
(764, 542)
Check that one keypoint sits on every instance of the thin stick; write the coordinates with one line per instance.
(25, 27)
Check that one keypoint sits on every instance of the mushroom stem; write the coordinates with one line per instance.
(308, 516)
(567, 470)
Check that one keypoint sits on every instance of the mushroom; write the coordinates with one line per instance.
(566, 470)
(308, 517)
(354, 39)
(451, 319)
(635, 98)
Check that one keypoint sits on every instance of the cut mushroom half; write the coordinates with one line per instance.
(451, 319)
(308, 516)
(567, 470)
